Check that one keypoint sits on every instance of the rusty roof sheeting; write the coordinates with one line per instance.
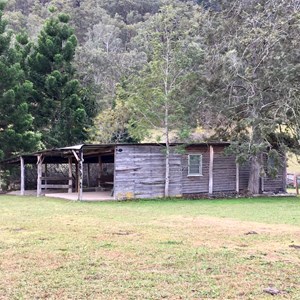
(60, 155)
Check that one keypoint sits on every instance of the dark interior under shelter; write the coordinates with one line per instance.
(88, 168)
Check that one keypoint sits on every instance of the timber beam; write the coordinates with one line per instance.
(22, 188)
(211, 171)
(40, 160)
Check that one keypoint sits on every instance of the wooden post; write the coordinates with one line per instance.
(297, 186)
(70, 175)
(39, 175)
(262, 184)
(80, 177)
(76, 175)
(99, 170)
(46, 172)
(262, 176)
(237, 178)
(211, 168)
(22, 191)
(284, 183)
(88, 175)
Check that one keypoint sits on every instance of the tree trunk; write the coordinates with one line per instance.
(256, 159)
(167, 178)
(254, 176)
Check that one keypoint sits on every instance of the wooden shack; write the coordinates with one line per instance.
(138, 170)
(195, 169)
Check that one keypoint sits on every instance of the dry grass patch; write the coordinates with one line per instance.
(148, 250)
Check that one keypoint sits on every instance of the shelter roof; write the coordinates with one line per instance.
(91, 152)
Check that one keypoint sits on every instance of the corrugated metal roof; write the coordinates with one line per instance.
(60, 155)
(75, 147)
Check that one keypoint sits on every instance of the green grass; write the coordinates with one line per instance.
(158, 249)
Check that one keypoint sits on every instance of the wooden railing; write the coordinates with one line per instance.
(53, 182)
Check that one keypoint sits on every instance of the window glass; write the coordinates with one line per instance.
(195, 164)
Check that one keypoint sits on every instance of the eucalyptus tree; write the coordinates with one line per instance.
(251, 81)
(152, 95)
(132, 11)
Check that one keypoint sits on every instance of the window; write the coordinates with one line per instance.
(195, 165)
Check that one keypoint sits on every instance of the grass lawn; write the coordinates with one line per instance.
(55, 249)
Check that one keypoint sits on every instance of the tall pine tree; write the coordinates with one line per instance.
(62, 108)
(16, 135)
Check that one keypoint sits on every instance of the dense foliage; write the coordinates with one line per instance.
(42, 102)
(230, 67)
(62, 112)
(16, 122)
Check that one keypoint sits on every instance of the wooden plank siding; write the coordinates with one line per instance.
(196, 184)
(244, 173)
(277, 183)
(140, 172)
(268, 183)
(224, 171)
(274, 184)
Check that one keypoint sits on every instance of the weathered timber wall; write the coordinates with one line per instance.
(244, 172)
(278, 183)
(195, 184)
(274, 184)
(269, 184)
(140, 172)
(224, 171)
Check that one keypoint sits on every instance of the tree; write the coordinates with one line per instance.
(63, 110)
(104, 59)
(251, 82)
(131, 9)
(111, 126)
(16, 130)
(152, 95)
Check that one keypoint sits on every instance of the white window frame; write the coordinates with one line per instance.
(200, 173)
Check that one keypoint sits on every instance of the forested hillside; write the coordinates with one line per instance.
(113, 71)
